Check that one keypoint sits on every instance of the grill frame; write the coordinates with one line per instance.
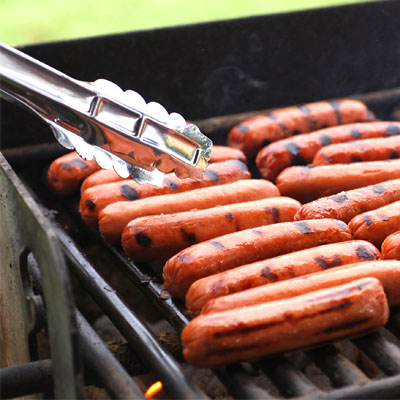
(191, 79)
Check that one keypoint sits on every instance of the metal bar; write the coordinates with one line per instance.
(107, 369)
(386, 388)
(25, 379)
(385, 354)
(394, 321)
(287, 378)
(138, 336)
(241, 384)
(340, 370)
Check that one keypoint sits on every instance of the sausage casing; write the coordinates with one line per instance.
(96, 198)
(67, 172)
(377, 224)
(306, 184)
(276, 269)
(391, 246)
(114, 217)
(300, 322)
(301, 149)
(346, 205)
(387, 271)
(244, 247)
(158, 237)
(362, 150)
(253, 134)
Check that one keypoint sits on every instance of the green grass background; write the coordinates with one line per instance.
(31, 21)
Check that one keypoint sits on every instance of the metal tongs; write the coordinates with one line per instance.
(101, 121)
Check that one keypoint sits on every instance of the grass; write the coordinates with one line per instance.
(27, 21)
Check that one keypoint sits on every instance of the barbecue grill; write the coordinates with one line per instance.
(215, 74)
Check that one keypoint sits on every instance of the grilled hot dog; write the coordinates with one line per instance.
(167, 234)
(346, 205)
(66, 173)
(96, 198)
(114, 218)
(280, 268)
(387, 271)
(253, 134)
(218, 154)
(391, 246)
(301, 149)
(300, 322)
(362, 150)
(240, 248)
(376, 225)
(306, 184)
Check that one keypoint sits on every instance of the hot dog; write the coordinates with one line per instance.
(391, 246)
(218, 154)
(114, 218)
(253, 134)
(376, 225)
(387, 271)
(240, 248)
(300, 322)
(277, 269)
(346, 205)
(66, 173)
(362, 150)
(167, 234)
(306, 184)
(96, 198)
(301, 149)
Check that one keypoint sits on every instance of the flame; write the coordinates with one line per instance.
(155, 388)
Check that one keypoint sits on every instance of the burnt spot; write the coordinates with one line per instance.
(336, 261)
(294, 150)
(378, 189)
(239, 164)
(363, 253)
(383, 217)
(393, 130)
(275, 214)
(367, 219)
(355, 133)
(212, 175)
(339, 198)
(322, 262)
(216, 286)
(184, 258)
(129, 192)
(304, 109)
(394, 155)
(296, 132)
(272, 116)
(170, 184)
(268, 274)
(229, 216)
(216, 244)
(245, 330)
(142, 239)
(325, 140)
(303, 227)
(189, 238)
(243, 128)
(356, 159)
(336, 108)
(342, 225)
(90, 205)
(257, 232)
(341, 306)
(347, 325)
(79, 163)
(66, 166)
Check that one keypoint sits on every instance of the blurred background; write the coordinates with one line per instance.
(32, 21)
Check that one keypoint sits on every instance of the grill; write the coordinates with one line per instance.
(215, 74)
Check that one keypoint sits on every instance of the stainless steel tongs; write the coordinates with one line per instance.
(99, 120)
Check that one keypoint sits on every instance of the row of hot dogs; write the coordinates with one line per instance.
(245, 253)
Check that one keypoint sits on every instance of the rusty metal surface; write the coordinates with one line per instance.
(24, 228)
